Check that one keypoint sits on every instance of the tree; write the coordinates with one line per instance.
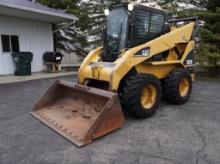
(208, 11)
(86, 33)
(69, 35)
(94, 25)
(210, 34)
(80, 37)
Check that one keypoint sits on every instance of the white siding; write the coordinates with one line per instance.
(34, 36)
(70, 58)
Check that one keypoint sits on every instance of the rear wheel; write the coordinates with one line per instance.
(141, 95)
(177, 87)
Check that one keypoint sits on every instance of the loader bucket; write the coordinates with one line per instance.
(79, 113)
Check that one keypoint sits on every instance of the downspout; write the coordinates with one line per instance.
(54, 37)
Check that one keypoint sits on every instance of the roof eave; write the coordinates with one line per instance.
(66, 17)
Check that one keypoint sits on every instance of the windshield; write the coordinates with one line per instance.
(117, 24)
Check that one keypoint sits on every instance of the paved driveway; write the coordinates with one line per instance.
(187, 134)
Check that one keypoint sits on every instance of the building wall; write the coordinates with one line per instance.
(70, 58)
(34, 36)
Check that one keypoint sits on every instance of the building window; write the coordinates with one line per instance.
(14, 44)
(6, 43)
(10, 43)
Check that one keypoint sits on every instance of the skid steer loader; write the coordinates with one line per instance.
(145, 57)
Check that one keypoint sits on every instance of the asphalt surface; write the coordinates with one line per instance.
(187, 134)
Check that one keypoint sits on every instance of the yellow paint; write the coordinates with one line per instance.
(190, 46)
(149, 97)
(94, 68)
(184, 87)
(172, 55)
(160, 71)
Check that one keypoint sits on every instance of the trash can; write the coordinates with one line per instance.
(22, 63)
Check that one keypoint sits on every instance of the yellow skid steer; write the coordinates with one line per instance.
(145, 55)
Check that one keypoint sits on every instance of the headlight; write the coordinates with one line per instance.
(130, 7)
(106, 11)
(143, 52)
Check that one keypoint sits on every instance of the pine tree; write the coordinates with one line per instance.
(209, 11)
(69, 35)
(86, 33)
(210, 48)
(94, 25)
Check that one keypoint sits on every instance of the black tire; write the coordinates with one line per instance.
(171, 84)
(132, 91)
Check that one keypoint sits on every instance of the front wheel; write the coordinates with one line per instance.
(141, 95)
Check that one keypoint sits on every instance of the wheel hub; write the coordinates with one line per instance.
(149, 96)
(184, 87)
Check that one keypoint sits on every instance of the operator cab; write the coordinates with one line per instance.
(129, 26)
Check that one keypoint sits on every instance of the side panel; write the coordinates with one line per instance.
(162, 68)
(160, 71)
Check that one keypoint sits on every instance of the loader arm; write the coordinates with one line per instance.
(114, 72)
